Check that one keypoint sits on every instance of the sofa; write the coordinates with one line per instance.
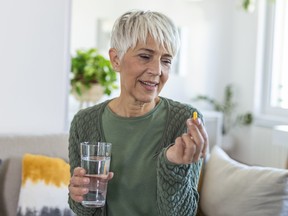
(226, 187)
(13, 147)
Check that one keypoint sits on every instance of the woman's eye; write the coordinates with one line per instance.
(145, 56)
(167, 61)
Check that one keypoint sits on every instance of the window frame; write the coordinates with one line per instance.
(266, 114)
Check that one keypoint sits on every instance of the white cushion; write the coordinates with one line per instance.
(234, 189)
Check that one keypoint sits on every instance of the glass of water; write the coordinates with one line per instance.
(95, 159)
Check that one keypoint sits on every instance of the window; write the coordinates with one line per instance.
(274, 88)
(279, 90)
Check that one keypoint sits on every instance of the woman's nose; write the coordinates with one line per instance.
(155, 67)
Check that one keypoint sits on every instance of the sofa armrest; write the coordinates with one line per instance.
(11, 175)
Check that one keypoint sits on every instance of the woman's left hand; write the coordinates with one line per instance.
(190, 146)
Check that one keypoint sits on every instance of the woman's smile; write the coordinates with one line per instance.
(149, 85)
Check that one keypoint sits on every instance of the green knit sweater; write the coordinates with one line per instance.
(176, 184)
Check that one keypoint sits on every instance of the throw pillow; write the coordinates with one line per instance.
(44, 189)
(231, 188)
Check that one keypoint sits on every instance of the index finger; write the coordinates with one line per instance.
(79, 171)
(204, 135)
(202, 130)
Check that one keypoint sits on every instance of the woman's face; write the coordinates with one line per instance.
(143, 71)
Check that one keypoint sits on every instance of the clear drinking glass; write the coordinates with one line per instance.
(95, 159)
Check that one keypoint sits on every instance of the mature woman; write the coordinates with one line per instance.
(157, 147)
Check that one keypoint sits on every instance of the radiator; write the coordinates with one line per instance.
(280, 140)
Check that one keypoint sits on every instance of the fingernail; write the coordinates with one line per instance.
(190, 122)
(198, 121)
(82, 171)
(85, 190)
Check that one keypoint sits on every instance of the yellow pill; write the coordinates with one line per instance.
(195, 115)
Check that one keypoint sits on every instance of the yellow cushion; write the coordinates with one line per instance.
(50, 170)
(44, 186)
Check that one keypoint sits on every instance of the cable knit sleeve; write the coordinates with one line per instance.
(79, 133)
(177, 187)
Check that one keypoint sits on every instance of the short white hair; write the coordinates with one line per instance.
(135, 26)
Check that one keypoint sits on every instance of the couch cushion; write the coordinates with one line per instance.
(44, 189)
(234, 189)
(55, 145)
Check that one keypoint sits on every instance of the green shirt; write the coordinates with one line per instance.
(132, 191)
(176, 185)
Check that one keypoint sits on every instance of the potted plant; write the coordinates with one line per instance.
(92, 75)
(227, 107)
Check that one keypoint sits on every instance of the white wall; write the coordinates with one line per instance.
(34, 60)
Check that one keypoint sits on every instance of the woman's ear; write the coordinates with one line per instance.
(114, 59)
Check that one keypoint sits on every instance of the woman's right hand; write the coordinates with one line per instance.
(78, 182)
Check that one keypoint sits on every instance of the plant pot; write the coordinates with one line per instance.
(91, 95)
